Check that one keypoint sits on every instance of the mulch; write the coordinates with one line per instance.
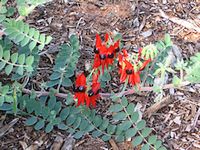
(140, 23)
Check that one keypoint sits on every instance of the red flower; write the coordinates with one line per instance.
(93, 93)
(81, 92)
(80, 89)
(104, 55)
(126, 69)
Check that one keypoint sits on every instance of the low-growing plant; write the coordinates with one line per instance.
(74, 110)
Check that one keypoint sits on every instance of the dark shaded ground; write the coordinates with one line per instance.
(140, 23)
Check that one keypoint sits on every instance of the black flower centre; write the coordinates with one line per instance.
(96, 51)
(117, 49)
(81, 89)
(129, 71)
(111, 55)
(90, 93)
(102, 56)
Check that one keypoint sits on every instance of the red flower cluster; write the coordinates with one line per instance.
(104, 52)
(127, 70)
(82, 94)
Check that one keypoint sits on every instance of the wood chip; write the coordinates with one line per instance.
(113, 144)
(57, 143)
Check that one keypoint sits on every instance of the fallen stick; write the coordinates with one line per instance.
(181, 22)
(157, 106)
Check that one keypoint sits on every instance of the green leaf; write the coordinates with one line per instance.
(162, 148)
(14, 57)
(96, 133)
(19, 38)
(57, 107)
(137, 141)
(115, 108)
(130, 108)
(119, 138)
(48, 128)
(167, 40)
(111, 129)
(125, 125)
(141, 124)
(77, 122)
(21, 59)
(8, 69)
(146, 131)
(31, 121)
(6, 55)
(135, 117)
(45, 112)
(69, 99)
(25, 41)
(84, 125)
(2, 100)
(106, 76)
(55, 75)
(2, 18)
(52, 83)
(42, 38)
(62, 126)
(130, 133)
(2, 65)
(106, 138)
(104, 124)
(20, 70)
(124, 101)
(97, 121)
(52, 102)
(41, 46)
(152, 139)
(36, 35)
(71, 119)
(158, 144)
(3, 10)
(3, 2)
(39, 125)
(29, 60)
(32, 45)
(145, 147)
(48, 39)
(119, 116)
(66, 82)
(78, 134)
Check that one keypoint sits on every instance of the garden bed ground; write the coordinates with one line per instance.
(140, 23)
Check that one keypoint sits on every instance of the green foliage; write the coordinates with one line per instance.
(162, 48)
(3, 10)
(16, 62)
(22, 34)
(5, 94)
(130, 125)
(65, 64)
(192, 71)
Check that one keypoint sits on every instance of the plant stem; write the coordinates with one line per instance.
(107, 95)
